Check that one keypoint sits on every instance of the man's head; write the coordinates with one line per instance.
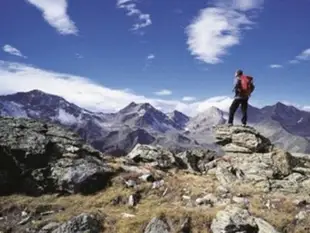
(238, 73)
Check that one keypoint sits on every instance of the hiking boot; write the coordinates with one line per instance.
(243, 125)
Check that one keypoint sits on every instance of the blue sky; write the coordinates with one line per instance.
(171, 53)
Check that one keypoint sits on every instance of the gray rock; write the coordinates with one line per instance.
(264, 171)
(130, 183)
(157, 156)
(49, 227)
(83, 223)
(265, 227)
(234, 219)
(38, 158)
(157, 225)
(241, 139)
(147, 177)
(195, 160)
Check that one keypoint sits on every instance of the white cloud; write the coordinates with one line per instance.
(301, 107)
(242, 5)
(143, 20)
(275, 66)
(305, 55)
(13, 51)
(15, 77)
(188, 98)
(150, 57)
(163, 92)
(55, 13)
(218, 28)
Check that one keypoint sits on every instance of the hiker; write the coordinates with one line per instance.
(243, 88)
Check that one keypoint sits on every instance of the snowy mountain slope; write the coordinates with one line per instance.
(292, 119)
(117, 133)
(200, 127)
(179, 118)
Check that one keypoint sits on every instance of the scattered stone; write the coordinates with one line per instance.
(186, 226)
(47, 213)
(132, 200)
(240, 200)
(49, 227)
(186, 198)
(265, 227)
(24, 214)
(165, 192)
(147, 177)
(301, 215)
(125, 215)
(222, 190)
(24, 221)
(130, 183)
(300, 203)
(157, 225)
(158, 184)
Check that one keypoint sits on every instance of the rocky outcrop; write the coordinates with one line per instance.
(235, 219)
(194, 160)
(241, 139)
(37, 158)
(251, 159)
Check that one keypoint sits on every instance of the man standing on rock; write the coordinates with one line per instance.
(243, 88)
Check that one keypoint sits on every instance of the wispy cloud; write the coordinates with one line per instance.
(150, 57)
(276, 66)
(13, 51)
(218, 28)
(242, 5)
(55, 13)
(301, 107)
(142, 20)
(79, 56)
(293, 61)
(188, 98)
(163, 92)
(303, 56)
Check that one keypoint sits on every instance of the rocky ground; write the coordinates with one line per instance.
(50, 182)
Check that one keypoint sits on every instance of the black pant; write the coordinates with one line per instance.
(233, 108)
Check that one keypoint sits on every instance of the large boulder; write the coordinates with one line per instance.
(81, 224)
(156, 156)
(37, 158)
(241, 139)
(250, 158)
(234, 219)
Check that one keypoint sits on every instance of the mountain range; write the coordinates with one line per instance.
(117, 133)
